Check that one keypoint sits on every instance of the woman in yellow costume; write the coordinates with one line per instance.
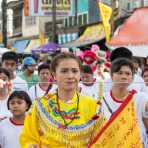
(64, 119)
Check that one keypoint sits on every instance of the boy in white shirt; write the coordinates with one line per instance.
(122, 72)
(44, 85)
(9, 62)
(137, 83)
(88, 85)
(10, 128)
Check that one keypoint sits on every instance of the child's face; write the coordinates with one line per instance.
(18, 106)
(44, 75)
(87, 78)
(123, 77)
(4, 90)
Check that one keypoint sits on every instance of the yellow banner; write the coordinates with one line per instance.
(106, 13)
(42, 38)
(1, 38)
(121, 131)
(92, 32)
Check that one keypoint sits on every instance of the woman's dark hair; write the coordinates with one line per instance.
(6, 72)
(43, 66)
(118, 63)
(120, 52)
(62, 56)
(20, 95)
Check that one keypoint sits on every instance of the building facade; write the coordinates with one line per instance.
(29, 27)
(82, 14)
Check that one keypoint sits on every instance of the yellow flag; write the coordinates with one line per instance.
(106, 13)
(121, 131)
(42, 38)
(1, 38)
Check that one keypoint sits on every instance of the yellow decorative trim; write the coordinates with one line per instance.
(68, 138)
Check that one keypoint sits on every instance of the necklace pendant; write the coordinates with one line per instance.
(62, 126)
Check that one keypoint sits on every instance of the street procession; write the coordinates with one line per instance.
(73, 74)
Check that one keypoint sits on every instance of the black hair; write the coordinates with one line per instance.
(43, 66)
(118, 63)
(145, 61)
(20, 95)
(87, 69)
(10, 55)
(120, 52)
(6, 72)
(136, 60)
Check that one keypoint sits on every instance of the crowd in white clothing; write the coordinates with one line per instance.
(89, 85)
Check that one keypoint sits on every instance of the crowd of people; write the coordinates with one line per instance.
(68, 103)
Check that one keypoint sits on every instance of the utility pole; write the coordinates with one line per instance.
(115, 8)
(142, 3)
(76, 11)
(54, 20)
(4, 24)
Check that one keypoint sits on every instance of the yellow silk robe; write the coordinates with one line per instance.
(43, 125)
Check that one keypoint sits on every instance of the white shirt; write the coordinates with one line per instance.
(9, 134)
(36, 91)
(4, 112)
(91, 90)
(140, 100)
(19, 84)
(137, 84)
(145, 89)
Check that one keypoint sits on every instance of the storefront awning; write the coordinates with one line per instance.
(133, 34)
(91, 35)
(32, 44)
(133, 31)
(20, 45)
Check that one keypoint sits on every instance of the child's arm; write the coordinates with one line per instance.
(1, 138)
